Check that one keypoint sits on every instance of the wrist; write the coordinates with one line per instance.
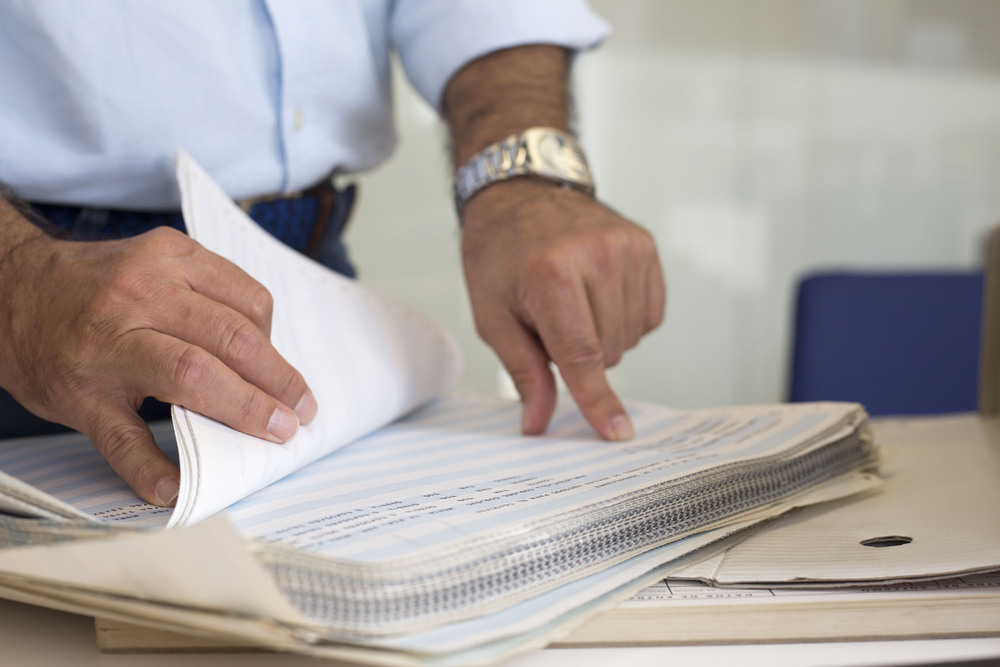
(538, 153)
(518, 199)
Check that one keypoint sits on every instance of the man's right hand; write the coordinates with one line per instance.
(90, 329)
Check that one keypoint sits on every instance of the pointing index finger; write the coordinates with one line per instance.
(565, 323)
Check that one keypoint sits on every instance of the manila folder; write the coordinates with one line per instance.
(937, 514)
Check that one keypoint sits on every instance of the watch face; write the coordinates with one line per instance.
(563, 156)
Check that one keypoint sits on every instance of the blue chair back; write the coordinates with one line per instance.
(900, 343)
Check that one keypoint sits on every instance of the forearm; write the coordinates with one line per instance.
(504, 93)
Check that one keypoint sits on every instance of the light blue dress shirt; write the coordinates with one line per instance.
(269, 95)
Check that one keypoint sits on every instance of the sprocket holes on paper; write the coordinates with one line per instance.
(886, 541)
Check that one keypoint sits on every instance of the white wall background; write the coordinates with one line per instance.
(757, 140)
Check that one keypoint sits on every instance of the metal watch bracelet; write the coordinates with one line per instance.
(542, 152)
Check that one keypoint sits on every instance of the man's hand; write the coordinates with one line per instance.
(554, 275)
(92, 328)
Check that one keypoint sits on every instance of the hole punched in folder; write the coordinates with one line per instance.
(886, 541)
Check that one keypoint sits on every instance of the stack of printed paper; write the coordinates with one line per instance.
(442, 536)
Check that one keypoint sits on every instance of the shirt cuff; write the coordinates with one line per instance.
(436, 39)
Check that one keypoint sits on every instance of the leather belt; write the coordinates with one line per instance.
(310, 221)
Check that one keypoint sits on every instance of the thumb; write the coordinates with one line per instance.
(123, 438)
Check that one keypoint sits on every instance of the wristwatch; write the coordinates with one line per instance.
(539, 152)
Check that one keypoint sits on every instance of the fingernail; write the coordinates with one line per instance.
(167, 489)
(283, 423)
(620, 428)
(306, 409)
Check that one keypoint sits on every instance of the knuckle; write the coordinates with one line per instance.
(167, 239)
(260, 303)
(483, 330)
(250, 407)
(123, 283)
(607, 252)
(293, 385)
(645, 254)
(581, 356)
(549, 265)
(240, 340)
(118, 442)
(488, 323)
(534, 301)
(486, 329)
(132, 282)
(547, 281)
(190, 368)
(166, 248)
(644, 236)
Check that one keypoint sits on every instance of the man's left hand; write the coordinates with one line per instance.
(555, 276)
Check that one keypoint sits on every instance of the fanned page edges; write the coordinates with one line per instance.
(368, 359)
(388, 590)
(592, 510)
(64, 479)
(449, 528)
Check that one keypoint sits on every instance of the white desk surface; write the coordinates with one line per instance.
(37, 637)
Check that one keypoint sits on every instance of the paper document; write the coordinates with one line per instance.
(686, 612)
(367, 359)
(455, 494)
(683, 592)
(405, 520)
(937, 513)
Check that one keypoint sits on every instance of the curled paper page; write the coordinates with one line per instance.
(367, 359)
